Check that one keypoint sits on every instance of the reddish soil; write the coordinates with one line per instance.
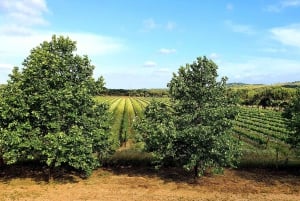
(145, 185)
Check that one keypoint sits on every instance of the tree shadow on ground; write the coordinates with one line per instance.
(265, 176)
(167, 174)
(38, 173)
(132, 162)
(271, 176)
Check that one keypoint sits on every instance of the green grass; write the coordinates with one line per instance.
(131, 157)
(117, 121)
(262, 131)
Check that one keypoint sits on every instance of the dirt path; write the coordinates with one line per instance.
(140, 185)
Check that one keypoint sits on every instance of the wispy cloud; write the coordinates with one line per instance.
(170, 26)
(150, 64)
(163, 72)
(167, 51)
(87, 43)
(20, 31)
(93, 44)
(125, 80)
(214, 56)
(5, 66)
(149, 24)
(229, 6)
(14, 29)
(287, 35)
(21, 15)
(5, 70)
(15, 48)
(283, 4)
(273, 50)
(240, 28)
(257, 69)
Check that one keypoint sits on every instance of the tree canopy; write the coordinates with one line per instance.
(292, 112)
(194, 130)
(47, 111)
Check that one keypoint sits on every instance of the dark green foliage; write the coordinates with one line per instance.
(47, 110)
(157, 130)
(263, 95)
(99, 88)
(195, 130)
(292, 112)
(138, 92)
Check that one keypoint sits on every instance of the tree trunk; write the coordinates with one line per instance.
(50, 171)
(196, 171)
(286, 161)
(267, 142)
(277, 157)
(1, 161)
(49, 174)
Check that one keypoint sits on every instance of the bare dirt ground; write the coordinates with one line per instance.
(145, 185)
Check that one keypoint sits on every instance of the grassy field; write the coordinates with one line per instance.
(262, 132)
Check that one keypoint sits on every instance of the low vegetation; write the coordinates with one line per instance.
(48, 114)
(53, 113)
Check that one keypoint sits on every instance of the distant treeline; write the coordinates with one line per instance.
(264, 95)
(246, 94)
(256, 95)
(137, 92)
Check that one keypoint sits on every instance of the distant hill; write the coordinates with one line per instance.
(236, 84)
(291, 84)
(245, 85)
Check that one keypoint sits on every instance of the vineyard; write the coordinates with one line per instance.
(262, 132)
(124, 110)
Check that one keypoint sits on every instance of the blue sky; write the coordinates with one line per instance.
(139, 44)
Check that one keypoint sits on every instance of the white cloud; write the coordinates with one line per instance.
(149, 24)
(87, 43)
(5, 70)
(229, 6)
(265, 70)
(167, 51)
(171, 26)
(15, 48)
(283, 4)
(149, 64)
(125, 80)
(288, 35)
(26, 20)
(214, 56)
(30, 7)
(274, 50)
(240, 28)
(15, 30)
(163, 70)
(19, 33)
(290, 3)
(6, 67)
(20, 15)
(92, 44)
(165, 73)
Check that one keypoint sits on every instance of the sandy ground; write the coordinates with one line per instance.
(141, 185)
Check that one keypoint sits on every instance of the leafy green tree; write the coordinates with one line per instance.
(195, 132)
(157, 131)
(99, 87)
(48, 112)
(292, 112)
